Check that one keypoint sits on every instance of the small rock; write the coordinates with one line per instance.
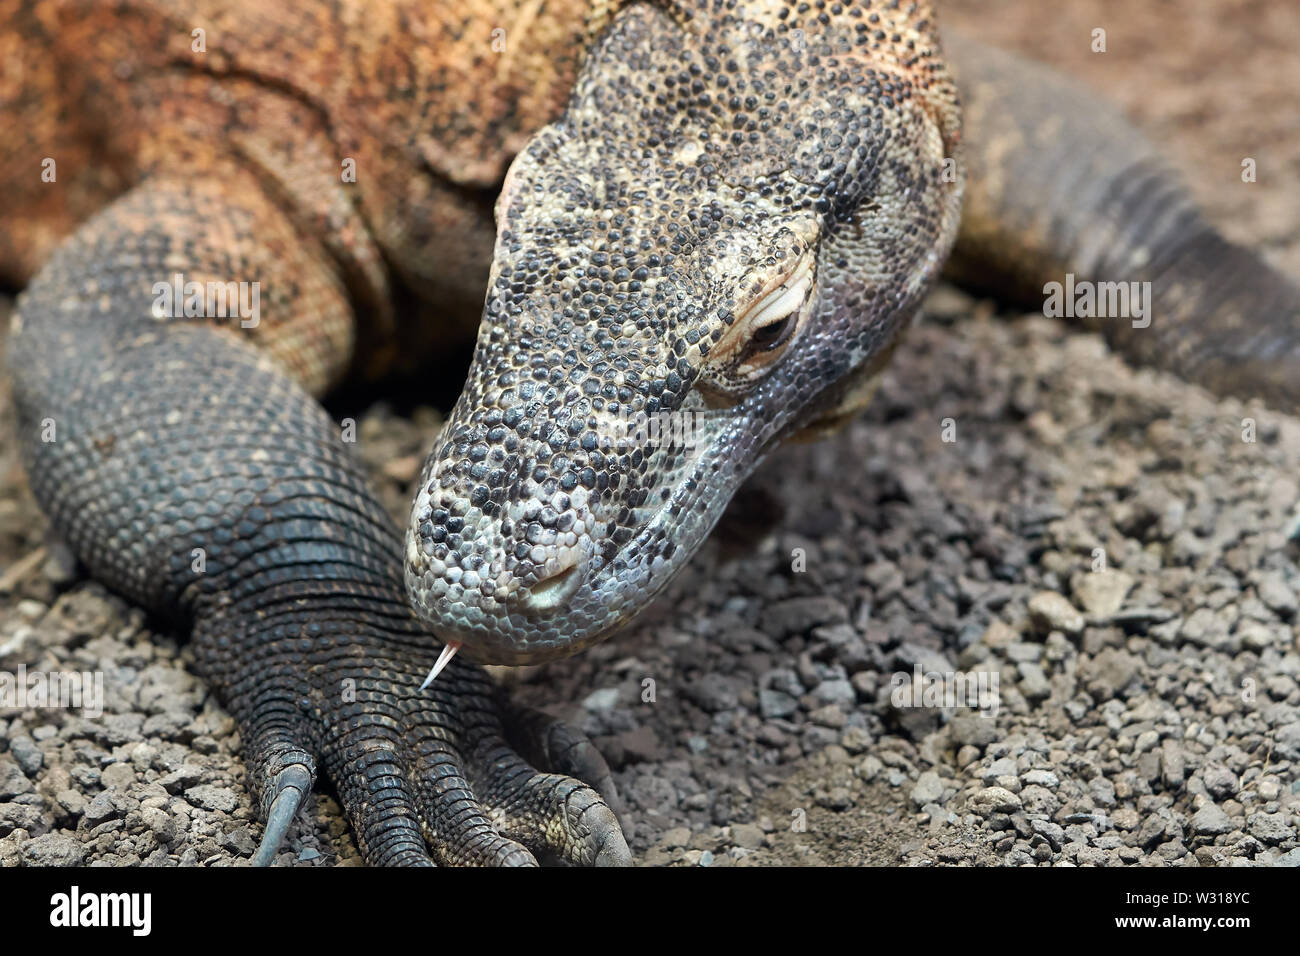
(210, 797)
(12, 780)
(714, 693)
(601, 701)
(1033, 682)
(53, 849)
(29, 756)
(1102, 593)
(1211, 820)
(160, 823)
(1269, 828)
(1109, 672)
(183, 777)
(1040, 778)
(100, 808)
(1205, 628)
(998, 635)
(855, 740)
(928, 789)
(837, 691)
(974, 730)
(747, 835)
(829, 716)
(676, 836)
(870, 768)
(240, 842)
(995, 800)
(775, 703)
(1220, 782)
(1286, 741)
(117, 776)
(1049, 611)
(837, 798)
(641, 744)
(801, 615)
(1277, 594)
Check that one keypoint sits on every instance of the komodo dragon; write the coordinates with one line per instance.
(726, 210)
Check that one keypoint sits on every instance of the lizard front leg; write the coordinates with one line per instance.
(194, 472)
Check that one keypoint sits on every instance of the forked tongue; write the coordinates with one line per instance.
(448, 652)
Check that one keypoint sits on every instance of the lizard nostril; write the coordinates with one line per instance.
(553, 590)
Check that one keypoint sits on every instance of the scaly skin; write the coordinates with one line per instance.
(724, 212)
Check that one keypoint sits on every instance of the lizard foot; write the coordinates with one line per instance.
(426, 776)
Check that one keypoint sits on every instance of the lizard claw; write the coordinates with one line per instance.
(284, 808)
(281, 768)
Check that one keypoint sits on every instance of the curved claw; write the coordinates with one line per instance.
(614, 851)
(291, 786)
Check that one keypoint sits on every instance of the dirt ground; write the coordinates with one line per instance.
(1149, 712)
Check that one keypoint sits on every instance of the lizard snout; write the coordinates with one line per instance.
(513, 583)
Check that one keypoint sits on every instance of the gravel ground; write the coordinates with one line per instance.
(1148, 713)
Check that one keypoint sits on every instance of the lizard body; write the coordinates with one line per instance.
(724, 212)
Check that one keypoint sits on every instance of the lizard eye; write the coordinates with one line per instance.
(760, 333)
(767, 338)
(772, 322)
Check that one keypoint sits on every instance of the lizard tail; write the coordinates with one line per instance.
(1062, 189)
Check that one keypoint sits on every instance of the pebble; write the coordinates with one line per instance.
(995, 800)
(775, 703)
(210, 797)
(1211, 820)
(1269, 828)
(1277, 594)
(12, 779)
(28, 756)
(601, 701)
(929, 789)
(53, 849)
(801, 615)
(1101, 594)
(748, 835)
(1050, 611)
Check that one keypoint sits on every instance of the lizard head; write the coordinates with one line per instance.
(712, 249)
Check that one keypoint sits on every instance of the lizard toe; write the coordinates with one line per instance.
(551, 744)
(457, 828)
(367, 763)
(559, 817)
